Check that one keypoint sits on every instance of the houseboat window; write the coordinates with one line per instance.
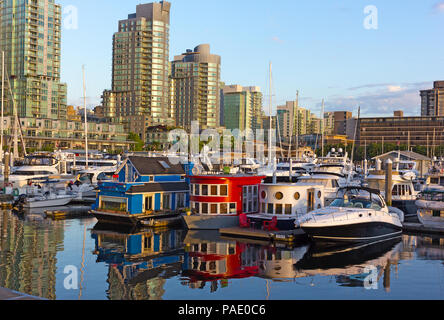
(114, 204)
(180, 200)
(224, 190)
(147, 243)
(279, 195)
(166, 201)
(263, 194)
(223, 208)
(214, 208)
(279, 208)
(149, 203)
(214, 191)
(197, 207)
(262, 207)
(269, 208)
(249, 196)
(297, 196)
(204, 208)
(434, 180)
(233, 208)
(196, 189)
(288, 209)
(335, 184)
(319, 195)
(205, 190)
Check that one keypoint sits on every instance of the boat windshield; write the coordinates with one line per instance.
(39, 161)
(362, 200)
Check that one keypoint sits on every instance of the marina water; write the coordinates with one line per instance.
(81, 260)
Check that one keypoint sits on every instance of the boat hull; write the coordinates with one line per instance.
(208, 222)
(47, 203)
(353, 233)
(118, 218)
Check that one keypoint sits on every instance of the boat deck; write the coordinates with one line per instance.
(274, 236)
(419, 228)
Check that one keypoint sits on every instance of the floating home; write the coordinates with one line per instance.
(144, 188)
(218, 200)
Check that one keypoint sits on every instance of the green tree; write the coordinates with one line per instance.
(139, 143)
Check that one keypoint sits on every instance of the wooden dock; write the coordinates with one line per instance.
(290, 236)
(6, 294)
(419, 228)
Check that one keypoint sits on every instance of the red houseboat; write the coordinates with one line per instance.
(217, 200)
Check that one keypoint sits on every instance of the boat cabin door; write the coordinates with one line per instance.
(310, 200)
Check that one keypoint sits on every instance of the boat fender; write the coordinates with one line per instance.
(397, 211)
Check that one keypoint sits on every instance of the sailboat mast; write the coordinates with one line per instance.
(270, 160)
(297, 124)
(86, 120)
(322, 125)
(3, 97)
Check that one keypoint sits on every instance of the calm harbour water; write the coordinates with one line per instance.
(35, 253)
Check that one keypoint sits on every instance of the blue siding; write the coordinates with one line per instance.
(172, 178)
(134, 244)
(173, 201)
(157, 199)
(135, 204)
(156, 243)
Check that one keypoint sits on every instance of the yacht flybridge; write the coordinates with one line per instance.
(34, 168)
(357, 215)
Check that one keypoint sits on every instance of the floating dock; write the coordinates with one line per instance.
(419, 228)
(6, 294)
(290, 236)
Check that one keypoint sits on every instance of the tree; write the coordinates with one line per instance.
(139, 143)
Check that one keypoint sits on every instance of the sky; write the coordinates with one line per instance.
(376, 54)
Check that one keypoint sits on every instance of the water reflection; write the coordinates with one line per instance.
(28, 250)
(139, 261)
(352, 265)
(145, 264)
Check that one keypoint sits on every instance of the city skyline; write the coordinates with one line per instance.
(341, 61)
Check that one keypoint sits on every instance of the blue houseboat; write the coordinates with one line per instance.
(152, 190)
(138, 261)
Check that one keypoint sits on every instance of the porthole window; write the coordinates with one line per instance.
(263, 194)
(279, 195)
(297, 196)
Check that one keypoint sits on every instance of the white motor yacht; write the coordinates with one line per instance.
(34, 169)
(430, 206)
(357, 215)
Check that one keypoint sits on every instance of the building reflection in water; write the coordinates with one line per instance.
(210, 260)
(28, 250)
(139, 261)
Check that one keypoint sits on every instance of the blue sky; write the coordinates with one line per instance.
(318, 47)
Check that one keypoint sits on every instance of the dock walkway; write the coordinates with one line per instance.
(6, 294)
(419, 228)
(277, 236)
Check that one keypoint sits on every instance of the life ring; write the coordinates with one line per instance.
(15, 192)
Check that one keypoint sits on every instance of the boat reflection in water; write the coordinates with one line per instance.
(139, 261)
(353, 266)
(209, 258)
